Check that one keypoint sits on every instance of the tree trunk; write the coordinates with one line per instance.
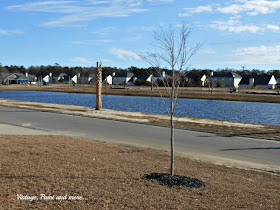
(172, 141)
(98, 86)
(172, 123)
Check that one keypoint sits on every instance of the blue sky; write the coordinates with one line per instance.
(235, 33)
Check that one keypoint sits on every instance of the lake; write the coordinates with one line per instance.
(260, 113)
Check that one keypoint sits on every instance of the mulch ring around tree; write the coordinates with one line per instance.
(175, 180)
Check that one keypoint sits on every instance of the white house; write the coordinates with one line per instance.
(107, 79)
(74, 79)
(230, 79)
(120, 79)
(258, 81)
(48, 78)
(203, 80)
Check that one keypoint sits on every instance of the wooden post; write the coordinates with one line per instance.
(98, 86)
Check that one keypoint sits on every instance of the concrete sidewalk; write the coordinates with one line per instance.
(17, 130)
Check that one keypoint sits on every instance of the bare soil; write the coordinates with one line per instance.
(110, 176)
(250, 95)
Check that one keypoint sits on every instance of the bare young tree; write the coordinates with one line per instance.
(172, 50)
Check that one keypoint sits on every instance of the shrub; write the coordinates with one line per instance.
(61, 80)
(219, 83)
(140, 82)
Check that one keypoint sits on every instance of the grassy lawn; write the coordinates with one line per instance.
(110, 176)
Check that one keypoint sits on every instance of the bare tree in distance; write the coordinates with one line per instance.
(172, 50)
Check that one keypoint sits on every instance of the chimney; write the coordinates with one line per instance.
(163, 74)
(26, 74)
(252, 81)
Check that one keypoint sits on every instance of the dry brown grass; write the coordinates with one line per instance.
(194, 93)
(109, 176)
(266, 131)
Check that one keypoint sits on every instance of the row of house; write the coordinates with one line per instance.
(115, 79)
(231, 79)
(234, 80)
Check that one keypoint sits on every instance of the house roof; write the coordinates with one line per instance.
(124, 75)
(258, 79)
(31, 76)
(140, 77)
(230, 74)
(17, 76)
(192, 76)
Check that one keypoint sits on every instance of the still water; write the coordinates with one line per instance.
(260, 113)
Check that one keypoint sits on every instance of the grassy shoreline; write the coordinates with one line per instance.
(248, 95)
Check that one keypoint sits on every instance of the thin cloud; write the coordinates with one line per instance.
(98, 2)
(77, 12)
(209, 51)
(159, 1)
(10, 32)
(147, 28)
(48, 6)
(273, 27)
(236, 27)
(80, 60)
(249, 7)
(124, 54)
(91, 42)
(200, 9)
(257, 55)
(104, 31)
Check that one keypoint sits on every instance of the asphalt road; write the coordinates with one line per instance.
(235, 151)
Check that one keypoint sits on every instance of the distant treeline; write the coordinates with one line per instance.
(85, 71)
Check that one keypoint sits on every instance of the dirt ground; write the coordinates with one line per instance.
(102, 175)
(251, 95)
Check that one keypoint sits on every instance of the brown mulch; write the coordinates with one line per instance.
(103, 175)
